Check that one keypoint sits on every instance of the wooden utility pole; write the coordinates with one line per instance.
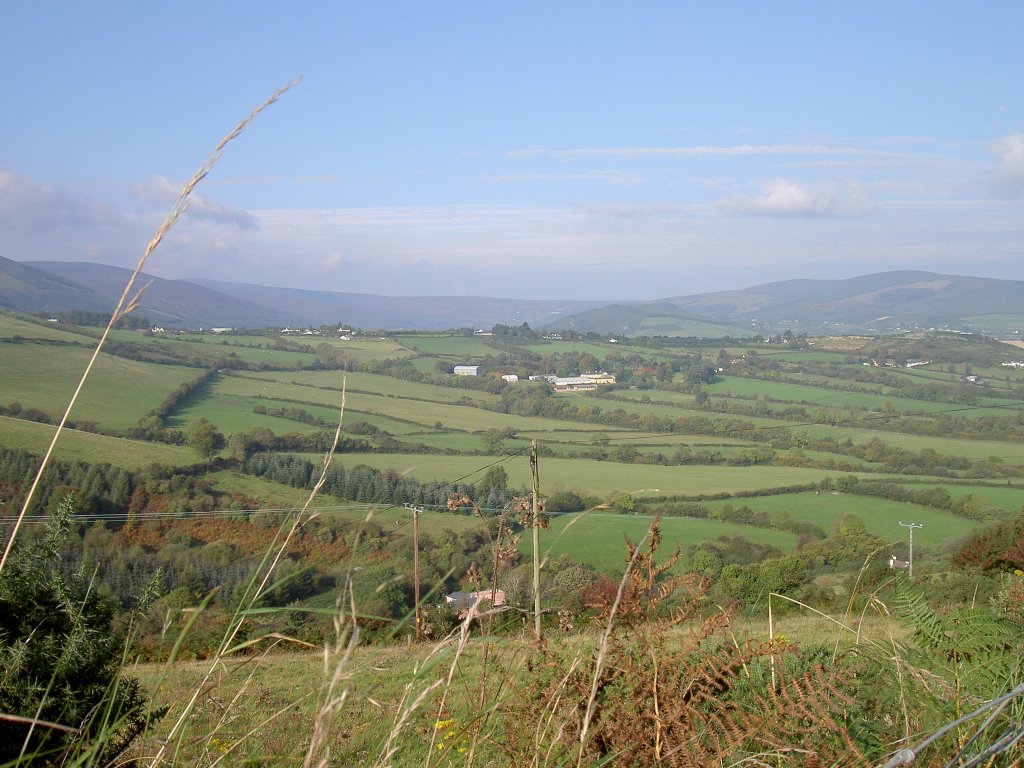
(910, 564)
(534, 465)
(416, 562)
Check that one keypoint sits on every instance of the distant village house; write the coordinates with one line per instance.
(463, 602)
(467, 370)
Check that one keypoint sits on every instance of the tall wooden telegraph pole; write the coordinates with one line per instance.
(416, 562)
(534, 465)
(910, 564)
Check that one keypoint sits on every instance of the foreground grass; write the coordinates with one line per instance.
(259, 709)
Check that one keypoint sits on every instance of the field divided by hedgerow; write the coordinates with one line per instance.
(601, 478)
(880, 516)
(598, 538)
(90, 447)
(118, 393)
(453, 416)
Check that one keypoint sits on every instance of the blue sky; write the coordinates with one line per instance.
(550, 150)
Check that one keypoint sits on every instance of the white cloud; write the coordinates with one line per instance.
(784, 197)
(1009, 154)
(615, 178)
(738, 150)
(339, 260)
(161, 192)
(628, 211)
(28, 206)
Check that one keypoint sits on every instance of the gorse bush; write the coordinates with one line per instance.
(60, 660)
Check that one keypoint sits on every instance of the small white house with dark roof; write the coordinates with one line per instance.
(463, 602)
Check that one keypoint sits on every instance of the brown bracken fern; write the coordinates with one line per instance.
(673, 690)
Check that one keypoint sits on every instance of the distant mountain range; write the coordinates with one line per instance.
(882, 302)
(878, 303)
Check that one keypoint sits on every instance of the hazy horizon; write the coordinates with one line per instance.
(199, 279)
(579, 151)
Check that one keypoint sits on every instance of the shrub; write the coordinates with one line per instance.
(60, 660)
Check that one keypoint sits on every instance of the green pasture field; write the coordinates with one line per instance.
(596, 349)
(817, 380)
(802, 394)
(467, 347)
(332, 381)
(796, 356)
(243, 339)
(89, 447)
(363, 348)
(424, 364)
(880, 516)
(400, 429)
(426, 414)
(1006, 497)
(679, 399)
(674, 411)
(995, 378)
(461, 417)
(231, 413)
(565, 440)
(235, 413)
(933, 373)
(1012, 453)
(118, 393)
(670, 440)
(212, 348)
(598, 538)
(673, 326)
(600, 478)
(32, 328)
(458, 441)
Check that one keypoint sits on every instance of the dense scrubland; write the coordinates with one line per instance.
(265, 597)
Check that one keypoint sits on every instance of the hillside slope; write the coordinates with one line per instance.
(175, 303)
(395, 312)
(882, 302)
(26, 288)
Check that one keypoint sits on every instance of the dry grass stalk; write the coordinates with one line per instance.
(501, 554)
(126, 305)
(853, 595)
(404, 714)
(346, 633)
(602, 651)
(464, 635)
(544, 723)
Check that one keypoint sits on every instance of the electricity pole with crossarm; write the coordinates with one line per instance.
(911, 526)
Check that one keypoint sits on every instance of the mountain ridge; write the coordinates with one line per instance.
(877, 303)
